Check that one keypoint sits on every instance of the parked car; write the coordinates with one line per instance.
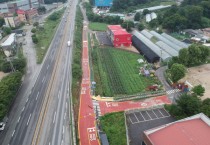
(2, 125)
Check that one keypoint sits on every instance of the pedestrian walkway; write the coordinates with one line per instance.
(96, 107)
(172, 91)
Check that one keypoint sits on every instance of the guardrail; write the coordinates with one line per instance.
(140, 95)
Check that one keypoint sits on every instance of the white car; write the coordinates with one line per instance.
(2, 125)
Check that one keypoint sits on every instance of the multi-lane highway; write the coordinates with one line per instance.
(43, 117)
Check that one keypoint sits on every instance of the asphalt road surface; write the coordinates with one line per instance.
(53, 82)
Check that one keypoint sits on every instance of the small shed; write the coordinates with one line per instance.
(9, 44)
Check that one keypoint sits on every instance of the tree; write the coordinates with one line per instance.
(128, 25)
(175, 22)
(194, 15)
(140, 27)
(7, 30)
(6, 67)
(184, 56)
(189, 104)
(1, 21)
(177, 72)
(137, 16)
(146, 11)
(36, 24)
(194, 55)
(186, 105)
(198, 90)
(19, 64)
(153, 23)
(33, 30)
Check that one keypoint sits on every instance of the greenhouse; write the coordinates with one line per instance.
(174, 40)
(147, 34)
(168, 42)
(151, 51)
(167, 48)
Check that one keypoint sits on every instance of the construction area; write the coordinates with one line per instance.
(199, 76)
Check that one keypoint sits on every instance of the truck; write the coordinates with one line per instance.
(68, 43)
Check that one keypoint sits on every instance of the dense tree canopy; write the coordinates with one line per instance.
(198, 90)
(193, 55)
(177, 72)
(191, 14)
(8, 86)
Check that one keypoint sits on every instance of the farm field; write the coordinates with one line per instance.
(98, 26)
(113, 125)
(119, 73)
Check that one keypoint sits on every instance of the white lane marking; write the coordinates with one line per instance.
(54, 117)
(29, 119)
(26, 100)
(47, 66)
(18, 119)
(49, 143)
(13, 133)
(63, 129)
(62, 142)
(23, 108)
(43, 79)
(66, 105)
(65, 116)
(37, 95)
(59, 93)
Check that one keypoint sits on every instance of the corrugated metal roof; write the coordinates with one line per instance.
(181, 44)
(147, 34)
(168, 42)
(167, 48)
(161, 53)
(9, 40)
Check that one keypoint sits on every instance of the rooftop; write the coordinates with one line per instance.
(120, 32)
(9, 40)
(114, 27)
(20, 11)
(193, 130)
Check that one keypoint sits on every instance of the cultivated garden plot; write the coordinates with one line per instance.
(119, 72)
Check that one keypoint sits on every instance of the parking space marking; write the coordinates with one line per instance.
(161, 113)
(149, 115)
(136, 117)
(144, 120)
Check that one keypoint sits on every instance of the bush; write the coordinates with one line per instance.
(6, 67)
(36, 24)
(35, 39)
(198, 90)
(33, 30)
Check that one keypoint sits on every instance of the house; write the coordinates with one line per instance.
(194, 130)
(119, 37)
(9, 45)
(21, 15)
(12, 21)
(31, 14)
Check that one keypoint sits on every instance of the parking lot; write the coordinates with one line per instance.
(140, 120)
(148, 115)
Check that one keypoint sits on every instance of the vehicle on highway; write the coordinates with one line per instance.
(2, 125)
(69, 43)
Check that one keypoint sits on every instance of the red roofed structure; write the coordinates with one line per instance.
(119, 36)
(193, 130)
(21, 15)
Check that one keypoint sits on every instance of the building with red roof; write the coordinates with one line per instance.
(119, 36)
(194, 130)
(21, 15)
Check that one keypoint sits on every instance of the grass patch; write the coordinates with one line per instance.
(168, 3)
(118, 72)
(98, 26)
(115, 130)
(46, 35)
(180, 36)
(76, 66)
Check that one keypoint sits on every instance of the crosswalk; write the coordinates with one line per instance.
(172, 91)
(96, 107)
